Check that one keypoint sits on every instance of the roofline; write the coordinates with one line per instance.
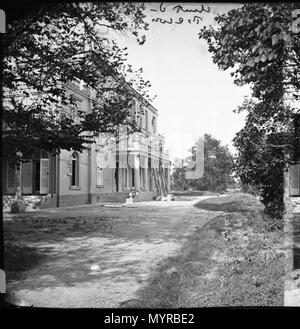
(120, 78)
(140, 97)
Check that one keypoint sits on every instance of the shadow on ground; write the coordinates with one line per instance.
(60, 249)
(19, 257)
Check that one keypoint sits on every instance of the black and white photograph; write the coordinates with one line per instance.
(150, 157)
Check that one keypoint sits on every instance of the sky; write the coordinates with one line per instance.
(194, 97)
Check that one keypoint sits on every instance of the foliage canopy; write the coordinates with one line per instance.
(259, 43)
(54, 45)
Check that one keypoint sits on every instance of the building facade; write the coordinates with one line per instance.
(106, 171)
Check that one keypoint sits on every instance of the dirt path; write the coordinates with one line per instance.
(107, 266)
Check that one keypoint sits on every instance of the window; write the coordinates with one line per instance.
(36, 174)
(141, 117)
(77, 107)
(146, 117)
(99, 169)
(154, 124)
(75, 170)
(141, 120)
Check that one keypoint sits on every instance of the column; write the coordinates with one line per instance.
(120, 179)
(147, 179)
(137, 183)
(128, 176)
(90, 171)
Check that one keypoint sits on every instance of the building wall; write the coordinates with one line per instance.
(68, 192)
(62, 193)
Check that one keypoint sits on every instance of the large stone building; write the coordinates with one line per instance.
(106, 171)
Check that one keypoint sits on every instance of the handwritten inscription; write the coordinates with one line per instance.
(195, 19)
(180, 20)
(201, 10)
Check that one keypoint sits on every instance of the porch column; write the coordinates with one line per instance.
(90, 171)
(120, 179)
(137, 183)
(146, 173)
(128, 176)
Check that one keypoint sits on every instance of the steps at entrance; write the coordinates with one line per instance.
(117, 197)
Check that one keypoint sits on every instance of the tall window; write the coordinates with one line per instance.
(35, 174)
(77, 107)
(75, 169)
(141, 115)
(146, 117)
(154, 124)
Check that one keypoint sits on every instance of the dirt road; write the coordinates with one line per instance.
(110, 263)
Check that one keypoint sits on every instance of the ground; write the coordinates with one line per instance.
(197, 251)
(236, 259)
(95, 256)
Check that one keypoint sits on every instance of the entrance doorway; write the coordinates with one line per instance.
(35, 174)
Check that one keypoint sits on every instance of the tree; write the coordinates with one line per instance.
(261, 157)
(260, 44)
(218, 168)
(178, 177)
(53, 45)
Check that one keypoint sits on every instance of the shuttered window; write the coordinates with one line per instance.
(26, 175)
(44, 176)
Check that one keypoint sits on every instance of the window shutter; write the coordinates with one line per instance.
(44, 176)
(294, 180)
(26, 176)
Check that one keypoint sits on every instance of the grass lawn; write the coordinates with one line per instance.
(236, 259)
(194, 193)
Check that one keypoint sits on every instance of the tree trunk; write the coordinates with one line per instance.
(18, 205)
(18, 194)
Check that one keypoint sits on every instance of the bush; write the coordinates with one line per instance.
(18, 206)
(250, 189)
